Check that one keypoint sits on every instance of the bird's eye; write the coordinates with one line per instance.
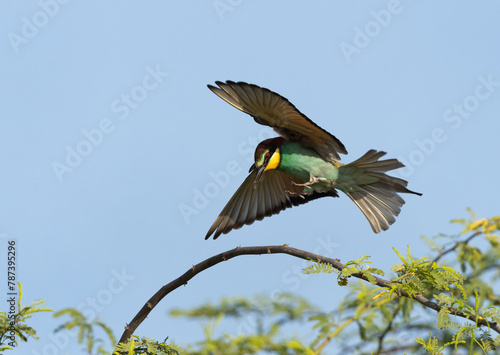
(267, 156)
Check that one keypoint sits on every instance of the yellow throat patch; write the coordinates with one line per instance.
(274, 161)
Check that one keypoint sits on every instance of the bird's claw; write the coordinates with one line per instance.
(300, 194)
(306, 185)
(312, 180)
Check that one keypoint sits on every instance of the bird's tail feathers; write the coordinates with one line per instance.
(374, 192)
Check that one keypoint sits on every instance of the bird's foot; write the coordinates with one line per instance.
(300, 194)
(312, 180)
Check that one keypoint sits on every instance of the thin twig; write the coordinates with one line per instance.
(346, 323)
(276, 249)
(334, 334)
(455, 246)
(386, 331)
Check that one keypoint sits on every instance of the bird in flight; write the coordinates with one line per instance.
(302, 165)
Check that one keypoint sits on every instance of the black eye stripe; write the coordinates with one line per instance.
(271, 151)
(269, 154)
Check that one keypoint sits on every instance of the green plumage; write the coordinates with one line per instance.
(302, 165)
(303, 162)
(364, 181)
(299, 161)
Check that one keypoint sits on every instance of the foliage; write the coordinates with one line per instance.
(423, 306)
(377, 320)
(351, 268)
(87, 334)
(13, 325)
(390, 324)
(261, 321)
(86, 330)
(136, 346)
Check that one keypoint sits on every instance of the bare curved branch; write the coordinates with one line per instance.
(275, 249)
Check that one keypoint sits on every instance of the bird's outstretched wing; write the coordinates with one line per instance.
(271, 109)
(272, 193)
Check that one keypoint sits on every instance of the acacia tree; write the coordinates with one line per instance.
(392, 311)
(422, 305)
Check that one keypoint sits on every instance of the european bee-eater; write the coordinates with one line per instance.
(303, 165)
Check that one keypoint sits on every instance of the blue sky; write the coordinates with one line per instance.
(108, 133)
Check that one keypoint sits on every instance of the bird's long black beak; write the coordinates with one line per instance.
(260, 171)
